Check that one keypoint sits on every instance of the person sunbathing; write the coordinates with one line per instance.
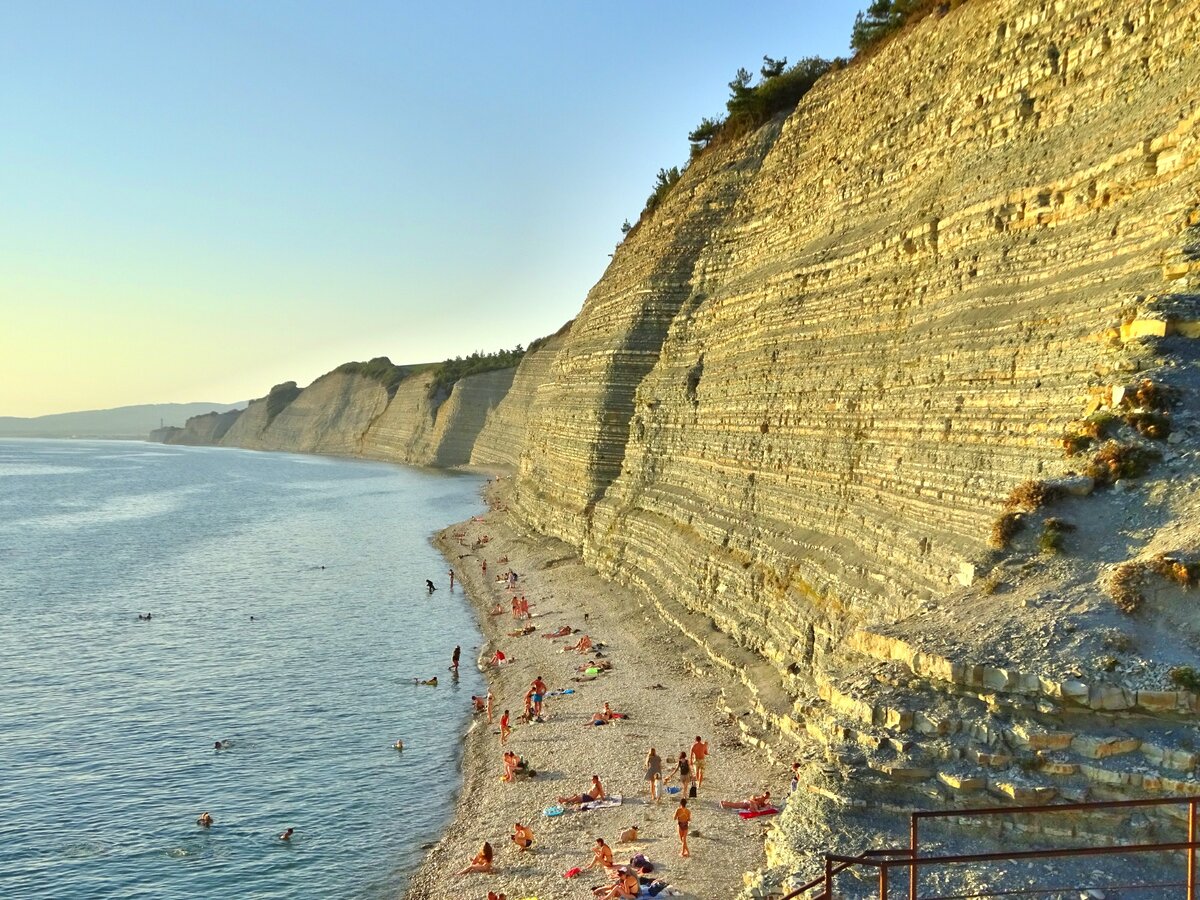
(594, 793)
(602, 665)
(604, 716)
(528, 629)
(583, 645)
(522, 836)
(481, 861)
(562, 632)
(756, 803)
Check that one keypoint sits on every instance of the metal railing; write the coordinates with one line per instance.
(910, 858)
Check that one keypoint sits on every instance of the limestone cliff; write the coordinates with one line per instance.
(502, 437)
(823, 363)
(791, 411)
(200, 430)
(349, 413)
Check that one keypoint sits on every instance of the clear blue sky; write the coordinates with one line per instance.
(202, 199)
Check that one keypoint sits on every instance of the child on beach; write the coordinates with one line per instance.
(505, 729)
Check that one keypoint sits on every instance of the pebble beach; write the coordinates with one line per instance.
(667, 706)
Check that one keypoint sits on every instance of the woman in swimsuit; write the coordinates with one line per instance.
(654, 773)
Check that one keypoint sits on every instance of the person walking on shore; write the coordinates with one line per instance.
(682, 817)
(698, 756)
(684, 769)
(505, 730)
(490, 701)
(654, 773)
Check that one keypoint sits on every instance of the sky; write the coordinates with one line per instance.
(199, 200)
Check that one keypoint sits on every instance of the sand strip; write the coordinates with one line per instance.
(645, 654)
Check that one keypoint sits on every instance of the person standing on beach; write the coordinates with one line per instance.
(698, 756)
(490, 700)
(505, 730)
(454, 658)
(539, 689)
(654, 773)
(682, 817)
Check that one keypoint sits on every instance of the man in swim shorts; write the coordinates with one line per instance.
(699, 755)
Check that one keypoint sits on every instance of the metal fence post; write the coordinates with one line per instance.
(913, 844)
(1191, 854)
(828, 878)
(883, 882)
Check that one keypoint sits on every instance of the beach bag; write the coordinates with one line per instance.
(692, 789)
(656, 888)
(640, 863)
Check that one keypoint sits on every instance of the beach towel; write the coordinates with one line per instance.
(755, 813)
(672, 789)
(571, 873)
(606, 803)
(553, 811)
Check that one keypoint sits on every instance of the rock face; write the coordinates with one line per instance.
(200, 430)
(802, 389)
(502, 437)
(416, 430)
(349, 414)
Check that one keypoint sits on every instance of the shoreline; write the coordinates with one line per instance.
(667, 704)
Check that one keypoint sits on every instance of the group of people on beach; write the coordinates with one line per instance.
(687, 768)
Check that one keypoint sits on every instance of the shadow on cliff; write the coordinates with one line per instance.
(670, 289)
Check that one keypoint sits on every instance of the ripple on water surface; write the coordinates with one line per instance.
(107, 723)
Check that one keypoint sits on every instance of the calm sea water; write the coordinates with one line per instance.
(107, 723)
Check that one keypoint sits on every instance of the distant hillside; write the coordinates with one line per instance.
(133, 422)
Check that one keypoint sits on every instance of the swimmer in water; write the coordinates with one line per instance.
(432, 682)
(429, 586)
(287, 835)
(399, 745)
(204, 820)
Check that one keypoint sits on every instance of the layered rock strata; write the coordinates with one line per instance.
(200, 430)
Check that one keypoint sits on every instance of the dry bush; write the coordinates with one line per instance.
(1004, 529)
(1031, 495)
(1184, 574)
(1150, 424)
(1115, 460)
(1125, 586)
(1150, 395)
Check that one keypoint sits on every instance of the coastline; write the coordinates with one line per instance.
(668, 704)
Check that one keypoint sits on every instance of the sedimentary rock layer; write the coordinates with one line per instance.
(348, 414)
(798, 396)
(502, 437)
(201, 430)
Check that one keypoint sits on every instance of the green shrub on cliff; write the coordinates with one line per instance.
(446, 373)
(883, 18)
(379, 369)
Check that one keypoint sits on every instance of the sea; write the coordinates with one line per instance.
(289, 617)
